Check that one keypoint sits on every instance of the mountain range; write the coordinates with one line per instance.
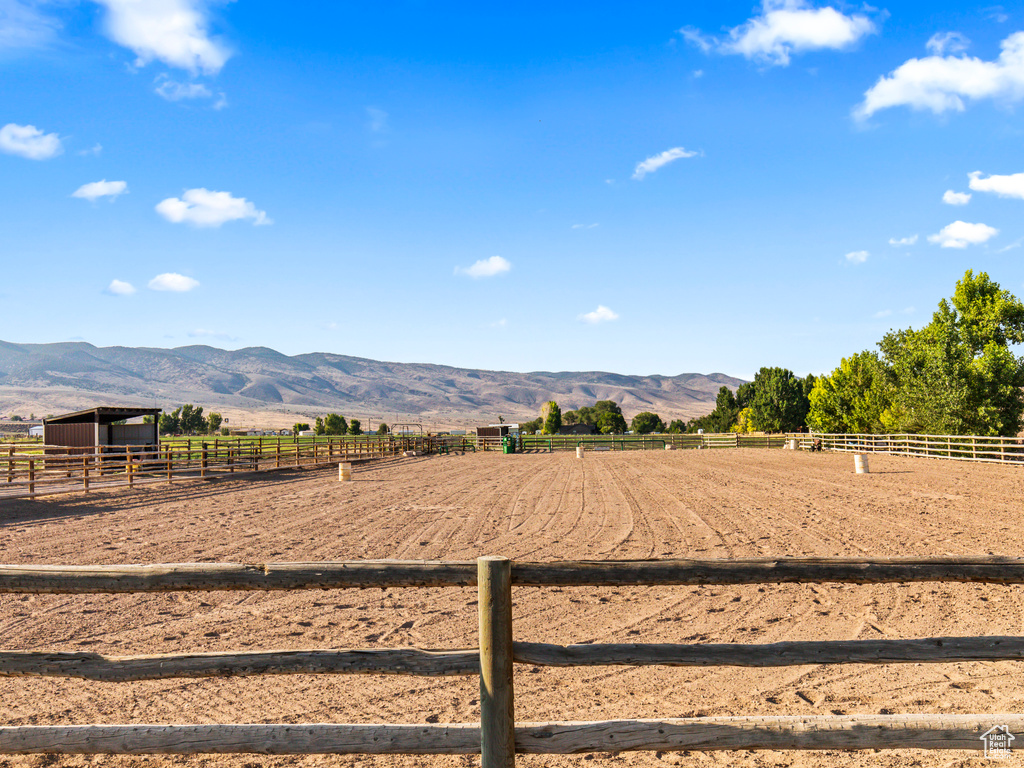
(257, 383)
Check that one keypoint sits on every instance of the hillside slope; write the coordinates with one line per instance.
(70, 375)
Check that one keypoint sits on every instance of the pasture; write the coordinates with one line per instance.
(701, 504)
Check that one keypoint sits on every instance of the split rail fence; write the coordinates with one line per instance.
(955, 447)
(499, 736)
(54, 469)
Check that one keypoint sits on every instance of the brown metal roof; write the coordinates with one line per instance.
(102, 415)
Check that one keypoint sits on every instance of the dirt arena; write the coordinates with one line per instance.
(704, 504)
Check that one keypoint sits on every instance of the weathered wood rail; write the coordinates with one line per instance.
(498, 737)
(29, 471)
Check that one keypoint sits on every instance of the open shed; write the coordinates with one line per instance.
(100, 426)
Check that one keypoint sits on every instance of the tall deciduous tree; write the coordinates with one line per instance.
(958, 375)
(215, 421)
(335, 424)
(646, 422)
(856, 397)
(779, 403)
(552, 416)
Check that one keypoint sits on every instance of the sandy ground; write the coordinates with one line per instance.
(707, 504)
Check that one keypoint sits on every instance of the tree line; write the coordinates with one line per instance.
(604, 415)
(188, 419)
(958, 375)
(335, 424)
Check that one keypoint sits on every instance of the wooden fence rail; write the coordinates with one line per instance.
(57, 469)
(498, 738)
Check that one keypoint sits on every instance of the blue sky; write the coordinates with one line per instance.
(660, 189)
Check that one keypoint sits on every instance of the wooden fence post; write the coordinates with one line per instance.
(85, 473)
(32, 476)
(10, 465)
(203, 461)
(497, 711)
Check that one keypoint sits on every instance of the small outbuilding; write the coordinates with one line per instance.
(102, 426)
(577, 429)
(497, 430)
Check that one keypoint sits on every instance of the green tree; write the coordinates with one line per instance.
(958, 375)
(570, 418)
(723, 417)
(382, 429)
(318, 426)
(611, 422)
(170, 423)
(354, 427)
(300, 426)
(530, 427)
(552, 417)
(225, 431)
(778, 403)
(855, 398)
(191, 420)
(335, 424)
(215, 421)
(676, 427)
(646, 422)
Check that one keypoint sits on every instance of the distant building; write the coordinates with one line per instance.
(102, 426)
(497, 430)
(577, 429)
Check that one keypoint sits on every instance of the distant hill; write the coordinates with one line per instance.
(57, 377)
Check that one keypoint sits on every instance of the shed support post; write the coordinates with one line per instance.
(497, 711)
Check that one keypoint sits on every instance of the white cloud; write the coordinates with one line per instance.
(172, 31)
(96, 150)
(600, 315)
(23, 26)
(120, 288)
(172, 90)
(585, 226)
(960, 234)
(500, 323)
(377, 119)
(172, 281)
(651, 164)
(942, 83)
(882, 313)
(1004, 186)
(206, 333)
(485, 267)
(903, 240)
(942, 43)
(695, 37)
(785, 27)
(956, 198)
(28, 141)
(206, 208)
(97, 189)
(857, 257)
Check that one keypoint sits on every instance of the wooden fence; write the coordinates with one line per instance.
(498, 736)
(47, 470)
(955, 447)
